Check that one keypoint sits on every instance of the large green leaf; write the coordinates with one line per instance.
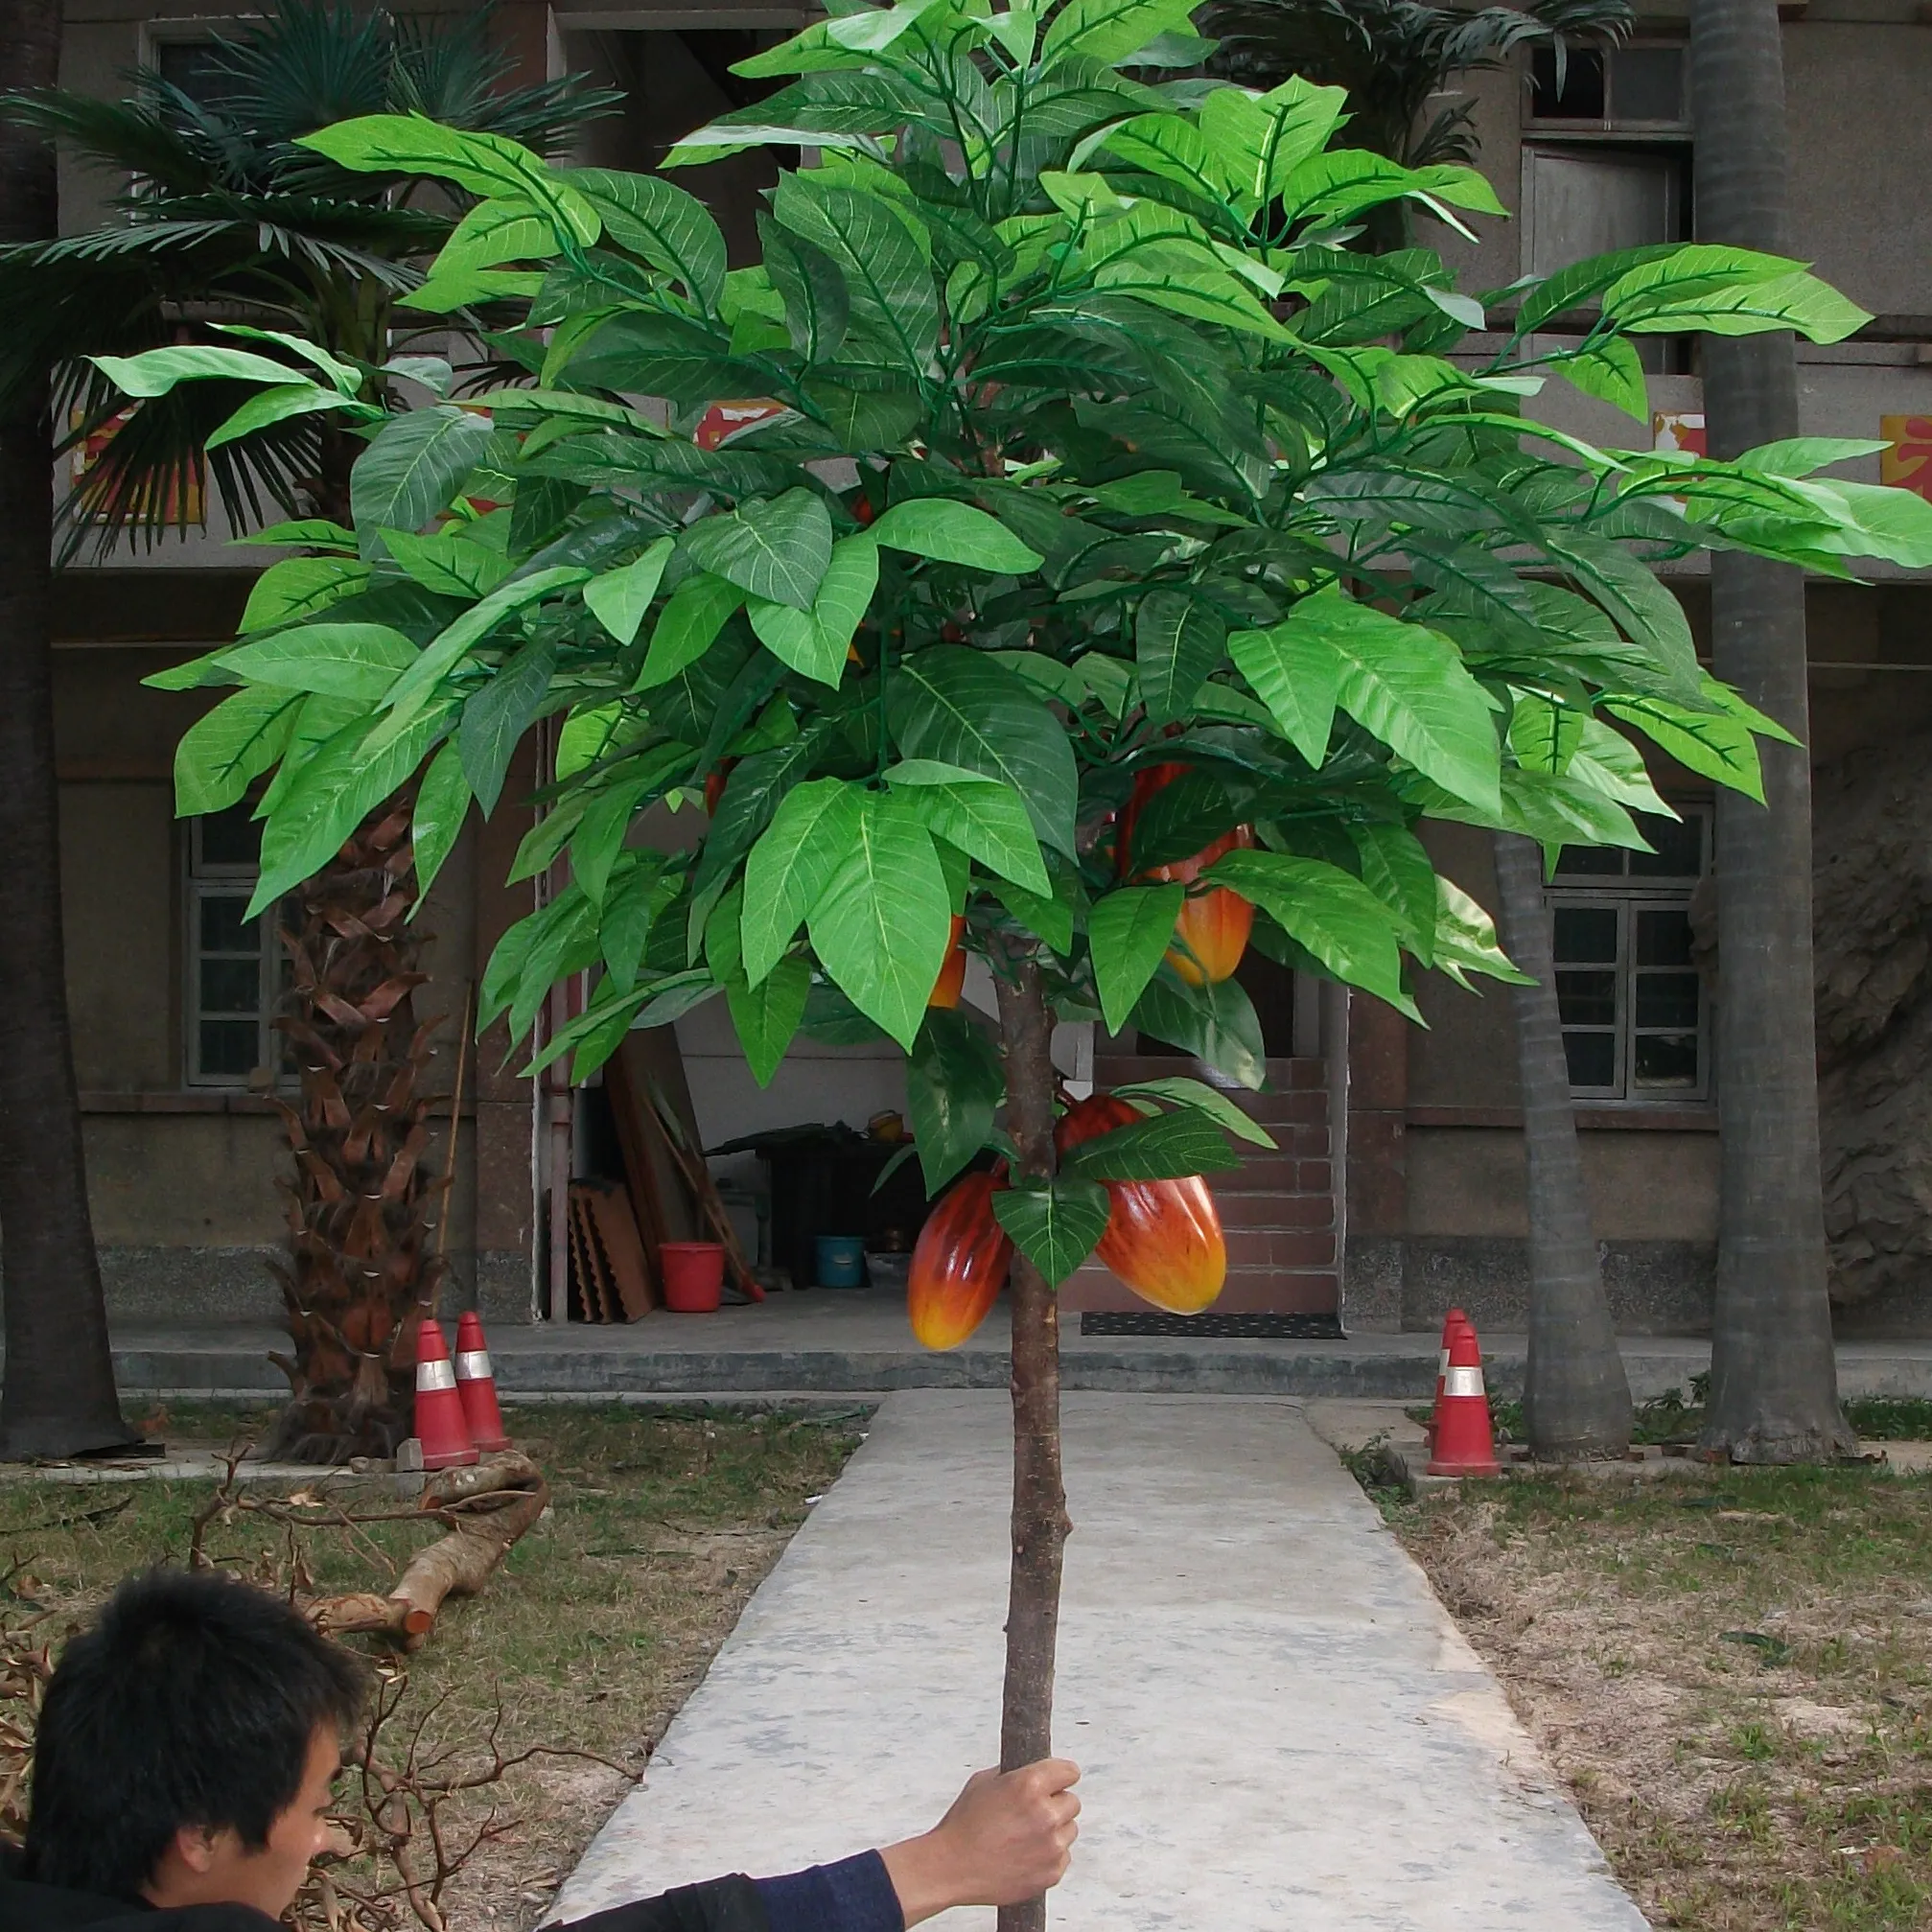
(1297, 675)
(954, 1087)
(817, 307)
(663, 224)
(226, 751)
(1056, 1225)
(412, 469)
(442, 804)
(791, 865)
(1217, 1023)
(1129, 932)
(1166, 1147)
(1713, 744)
(1465, 940)
(884, 923)
(447, 563)
(1396, 868)
(686, 627)
(953, 532)
(345, 660)
(984, 818)
(1722, 290)
(814, 643)
(1328, 910)
(767, 1016)
(298, 588)
(888, 279)
(1649, 615)
(1178, 1090)
(1177, 643)
(778, 550)
(497, 716)
(619, 598)
(156, 371)
(958, 707)
(1108, 31)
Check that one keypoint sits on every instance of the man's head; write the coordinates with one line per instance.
(186, 1747)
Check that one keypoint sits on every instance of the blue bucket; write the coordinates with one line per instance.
(841, 1260)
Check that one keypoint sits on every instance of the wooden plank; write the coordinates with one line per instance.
(600, 1302)
(659, 1194)
(610, 1206)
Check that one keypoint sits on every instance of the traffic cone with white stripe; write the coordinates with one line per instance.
(440, 1424)
(1464, 1443)
(1451, 1322)
(476, 1385)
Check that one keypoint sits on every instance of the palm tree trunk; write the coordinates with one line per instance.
(1040, 1519)
(57, 1397)
(1576, 1395)
(1773, 1385)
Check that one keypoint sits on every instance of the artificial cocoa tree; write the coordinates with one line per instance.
(1121, 538)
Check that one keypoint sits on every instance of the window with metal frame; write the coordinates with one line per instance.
(1635, 1012)
(235, 967)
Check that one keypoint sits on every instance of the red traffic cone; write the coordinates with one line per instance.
(476, 1385)
(1466, 1438)
(440, 1426)
(1451, 1322)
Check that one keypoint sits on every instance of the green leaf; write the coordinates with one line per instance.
(156, 371)
(447, 563)
(1713, 744)
(884, 923)
(226, 749)
(1177, 643)
(1108, 31)
(1610, 371)
(442, 804)
(659, 223)
(1056, 1225)
(1396, 868)
(345, 660)
(1728, 291)
(686, 627)
(1129, 932)
(619, 598)
(497, 716)
(266, 408)
(318, 531)
(1328, 910)
(1465, 940)
(791, 865)
(298, 588)
(1166, 1147)
(487, 165)
(1297, 675)
(817, 310)
(983, 818)
(1049, 919)
(954, 1086)
(412, 470)
(1544, 735)
(598, 841)
(778, 550)
(814, 643)
(1216, 1023)
(767, 1016)
(1181, 1091)
(888, 279)
(952, 532)
(956, 705)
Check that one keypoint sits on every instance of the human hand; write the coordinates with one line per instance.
(1006, 1837)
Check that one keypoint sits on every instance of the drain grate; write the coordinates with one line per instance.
(1218, 1327)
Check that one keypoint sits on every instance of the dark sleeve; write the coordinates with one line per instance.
(732, 1904)
(854, 1896)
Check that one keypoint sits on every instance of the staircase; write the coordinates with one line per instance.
(1276, 1208)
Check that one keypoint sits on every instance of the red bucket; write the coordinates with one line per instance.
(694, 1276)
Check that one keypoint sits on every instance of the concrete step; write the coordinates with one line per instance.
(1268, 1290)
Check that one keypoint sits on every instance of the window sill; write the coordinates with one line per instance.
(1638, 1116)
(184, 1099)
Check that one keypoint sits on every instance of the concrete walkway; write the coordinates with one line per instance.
(1281, 1729)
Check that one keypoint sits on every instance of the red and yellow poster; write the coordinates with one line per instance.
(1907, 465)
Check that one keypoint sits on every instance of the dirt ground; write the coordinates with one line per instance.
(1732, 1673)
(602, 1620)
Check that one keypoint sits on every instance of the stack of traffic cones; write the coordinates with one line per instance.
(456, 1411)
(1451, 1322)
(1462, 1439)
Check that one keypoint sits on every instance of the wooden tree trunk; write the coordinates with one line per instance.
(1039, 1518)
(360, 1271)
(1576, 1394)
(1774, 1385)
(58, 1397)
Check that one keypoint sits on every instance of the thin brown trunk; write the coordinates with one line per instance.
(59, 1396)
(1576, 1394)
(1039, 1518)
(1774, 1383)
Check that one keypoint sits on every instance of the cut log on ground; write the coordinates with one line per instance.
(489, 1505)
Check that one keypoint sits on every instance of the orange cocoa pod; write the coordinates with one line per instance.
(952, 971)
(1216, 924)
(1163, 1237)
(958, 1264)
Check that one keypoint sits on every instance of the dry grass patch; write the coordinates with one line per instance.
(1731, 1670)
(601, 1623)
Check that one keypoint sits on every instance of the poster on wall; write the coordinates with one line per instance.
(1680, 430)
(1907, 465)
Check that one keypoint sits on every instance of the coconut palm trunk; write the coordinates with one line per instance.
(1773, 1387)
(59, 1396)
(1575, 1394)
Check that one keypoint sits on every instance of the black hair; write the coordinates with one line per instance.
(194, 1700)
